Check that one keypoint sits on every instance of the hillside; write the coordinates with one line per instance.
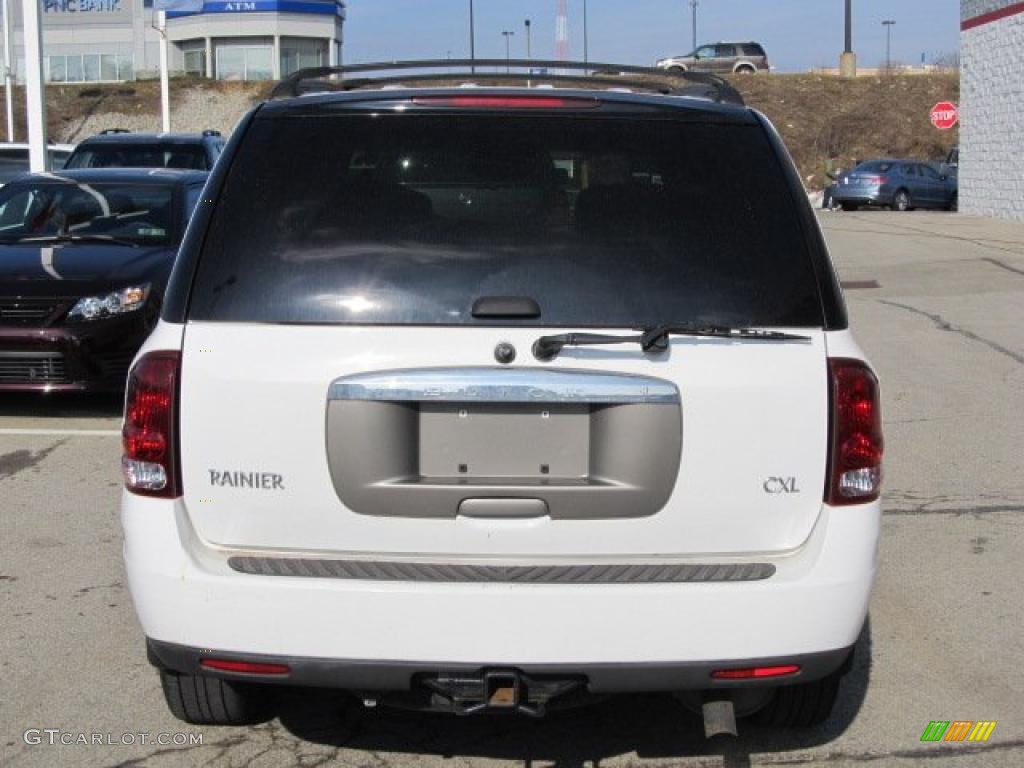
(818, 115)
(821, 116)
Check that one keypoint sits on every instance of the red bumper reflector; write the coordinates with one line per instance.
(248, 667)
(751, 673)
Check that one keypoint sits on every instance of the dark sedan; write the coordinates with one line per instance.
(902, 185)
(84, 260)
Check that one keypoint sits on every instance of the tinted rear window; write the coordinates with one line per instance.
(189, 156)
(408, 219)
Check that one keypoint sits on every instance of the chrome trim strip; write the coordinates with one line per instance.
(363, 570)
(503, 385)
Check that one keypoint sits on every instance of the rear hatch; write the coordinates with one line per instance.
(364, 272)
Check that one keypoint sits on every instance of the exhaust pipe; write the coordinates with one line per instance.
(719, 718)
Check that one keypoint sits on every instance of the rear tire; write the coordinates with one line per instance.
(745, 70)
(677, 69)
(849, 206)
(954, 203)
(204, 700)
(901, 200)
(802, 705)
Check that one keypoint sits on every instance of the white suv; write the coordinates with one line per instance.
(493, 398)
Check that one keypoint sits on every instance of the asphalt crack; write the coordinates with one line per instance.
(944, 325)
(938, 752)
(1002, 265)
(955, 511)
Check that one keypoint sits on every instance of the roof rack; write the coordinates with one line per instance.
(108, 131)
(211, 132)
(467, 71)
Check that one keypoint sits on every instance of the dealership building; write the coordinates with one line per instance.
(115, 40)
(991, 173)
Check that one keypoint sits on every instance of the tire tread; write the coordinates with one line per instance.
(203, 700)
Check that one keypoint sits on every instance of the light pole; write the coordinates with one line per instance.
(507, 33)
(848, 59)
(888, 24)
(693, 7)
(526, 24)
(472, 39)
(586, 55)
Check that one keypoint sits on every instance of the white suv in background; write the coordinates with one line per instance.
(493, 398)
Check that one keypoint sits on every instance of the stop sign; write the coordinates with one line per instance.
(944, 115)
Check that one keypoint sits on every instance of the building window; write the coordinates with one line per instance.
(195, 62)
(245, 62)
(89, 68)
(300, 54)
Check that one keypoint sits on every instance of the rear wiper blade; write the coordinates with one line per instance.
(654, 339)
(657, 337)
(70, 238)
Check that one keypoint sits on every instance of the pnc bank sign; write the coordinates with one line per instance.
(82, 6)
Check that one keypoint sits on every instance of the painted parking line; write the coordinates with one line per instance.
(64, 432)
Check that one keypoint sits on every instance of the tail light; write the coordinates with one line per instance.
(875, 180)
(150, 462)
(855, 457)
(507, 102)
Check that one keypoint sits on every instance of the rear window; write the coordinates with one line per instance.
(409, 219)
(875, 166)
(752, 49)
(189, 156)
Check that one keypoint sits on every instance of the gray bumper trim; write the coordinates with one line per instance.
(364, 570)
(385, 675)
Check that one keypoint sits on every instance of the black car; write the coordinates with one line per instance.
(119, 148)
(84, 259)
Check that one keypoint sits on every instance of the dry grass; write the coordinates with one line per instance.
(819, 116)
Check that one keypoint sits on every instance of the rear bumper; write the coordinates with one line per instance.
(363, 675)
(861, 196)
(86, 357)
(365, 633)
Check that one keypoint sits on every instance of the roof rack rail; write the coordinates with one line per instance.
(108, 131)
(466, 71)
(211, 132)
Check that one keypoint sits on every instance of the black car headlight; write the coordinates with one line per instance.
(111, 304)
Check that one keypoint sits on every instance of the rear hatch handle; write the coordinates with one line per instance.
(655, 339)
(505, 306)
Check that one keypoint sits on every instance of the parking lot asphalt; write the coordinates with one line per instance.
(937, 302)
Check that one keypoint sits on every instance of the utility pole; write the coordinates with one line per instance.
(35, 96)
(472, 38)
(848, 60)
(693, 7)
(888, 24)
(526, 24)
(507, 33)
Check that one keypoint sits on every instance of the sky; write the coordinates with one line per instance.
(797, 34)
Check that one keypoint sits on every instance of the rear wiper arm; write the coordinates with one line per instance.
(548, 347)
(654, 339)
